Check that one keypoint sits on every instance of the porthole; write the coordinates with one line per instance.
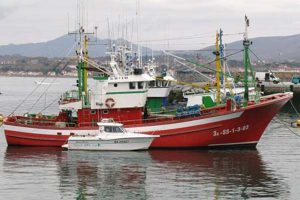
(93, 112)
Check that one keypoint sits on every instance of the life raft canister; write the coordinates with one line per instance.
(110, 103)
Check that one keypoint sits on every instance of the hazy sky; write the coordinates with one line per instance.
(176, 20)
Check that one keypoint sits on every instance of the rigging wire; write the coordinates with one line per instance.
(293, 106)
(229, 34)
(94, 64)
(193, 69)
(206, 65)
(44, 93)
(260, 60)
(205, 35)
(50, 104)
(30, 94)
(176, 38)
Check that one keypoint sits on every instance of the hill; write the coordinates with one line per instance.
(270, 49)
(58, 47)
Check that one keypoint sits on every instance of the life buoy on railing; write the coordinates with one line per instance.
(110, 102)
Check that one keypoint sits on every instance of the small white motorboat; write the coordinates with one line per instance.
(111, 136)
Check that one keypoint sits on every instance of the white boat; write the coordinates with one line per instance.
(44, 83)
(111, 136)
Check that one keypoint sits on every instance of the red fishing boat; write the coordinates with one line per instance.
(121, 94)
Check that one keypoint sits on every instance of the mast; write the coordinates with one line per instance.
(247, 64)
(82, 54)
(222, 58)
(85, 74)
(218, 70)
(226, 84)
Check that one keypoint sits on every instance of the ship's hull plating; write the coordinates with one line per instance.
(126, 144)
(243, 127)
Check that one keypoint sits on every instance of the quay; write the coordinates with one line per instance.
(271, 88)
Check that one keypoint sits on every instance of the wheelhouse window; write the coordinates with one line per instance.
(132, 85)
(113, 129)
(164, 83)
(152, 84)
(140, 85)
(159, 83)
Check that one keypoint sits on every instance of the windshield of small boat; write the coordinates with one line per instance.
(113, 129)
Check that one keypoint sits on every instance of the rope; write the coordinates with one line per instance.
(286, 126)
(294, 108)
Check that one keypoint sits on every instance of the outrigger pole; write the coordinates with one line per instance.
(218, 70)
(205, 66)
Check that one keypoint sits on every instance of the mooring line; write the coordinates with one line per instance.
(294, 108)
(286, 126)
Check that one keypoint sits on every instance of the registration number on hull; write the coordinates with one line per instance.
(227, 131)
(121, 141)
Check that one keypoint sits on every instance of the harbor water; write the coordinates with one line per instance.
(270, 172)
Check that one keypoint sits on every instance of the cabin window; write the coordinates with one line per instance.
(164, 83)
(72, 134)
(105, 111)
(152, 83)
(132, 85)
(159, 83)
(58, 133)
(140, 85)
(93, 112)
(116, 85)
(113, 129)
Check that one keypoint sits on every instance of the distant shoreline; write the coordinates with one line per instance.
(6, 75)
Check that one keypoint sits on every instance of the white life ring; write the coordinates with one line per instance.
(110, 102)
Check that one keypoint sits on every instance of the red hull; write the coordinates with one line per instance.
(228, 128)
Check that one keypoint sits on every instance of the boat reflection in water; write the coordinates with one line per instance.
(236, 174)
(154, 174)
(111, 174)
(30, 173)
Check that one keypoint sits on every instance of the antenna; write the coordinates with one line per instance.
(247, 24)
(108, 35)
(137, 32)
(118, 27)
(68, 23)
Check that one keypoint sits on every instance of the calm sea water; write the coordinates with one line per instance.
(270, 172)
